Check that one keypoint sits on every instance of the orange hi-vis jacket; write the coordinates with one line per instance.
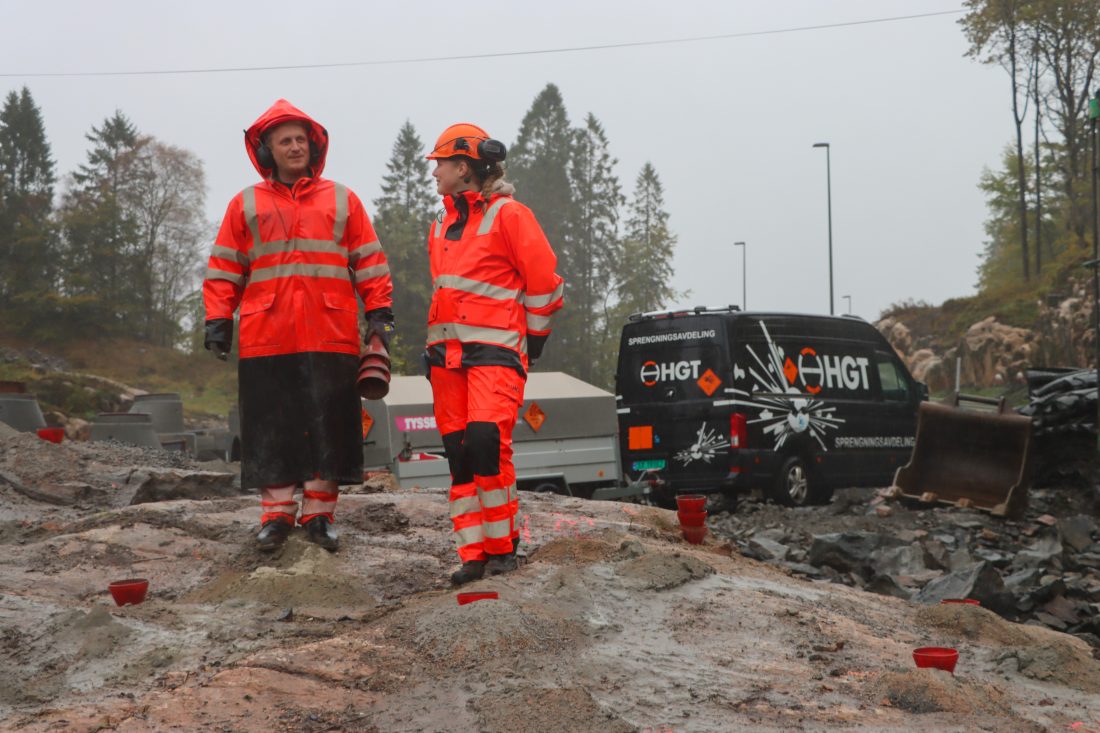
(294, 258)
(494, 281)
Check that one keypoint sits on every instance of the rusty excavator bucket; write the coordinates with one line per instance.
(969, 457)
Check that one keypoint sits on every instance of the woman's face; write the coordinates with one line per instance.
(449, 175)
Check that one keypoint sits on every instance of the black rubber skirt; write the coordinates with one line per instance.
(300, 419)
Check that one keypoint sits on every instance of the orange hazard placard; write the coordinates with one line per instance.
(709, 382)
(640, 437)
(534, 416)
(368, 422)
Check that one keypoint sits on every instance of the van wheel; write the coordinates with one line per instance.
(792, 484)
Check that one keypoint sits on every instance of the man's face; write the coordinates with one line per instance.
(289, 145)
(448, 175)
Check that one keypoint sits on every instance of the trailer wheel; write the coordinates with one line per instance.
(792, 484)
(548, 486)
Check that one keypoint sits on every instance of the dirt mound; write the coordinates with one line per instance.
(603, 546)
(662, 571)
(964, 621)
(1065, 661)
(543, 710)
(301, 574)
(374, 519)
(1037, 652)
(454, 636)
(934, 691)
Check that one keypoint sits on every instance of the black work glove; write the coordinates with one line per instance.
(535, 345)
(219, 337)
(380, 321)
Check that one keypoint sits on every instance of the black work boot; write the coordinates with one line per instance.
(498, 564)
(273, 534)
(319, 531)
(471, 570)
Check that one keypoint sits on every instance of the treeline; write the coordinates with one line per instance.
(121, 250)
(615, 254)
(1040, 198)
(118, 253)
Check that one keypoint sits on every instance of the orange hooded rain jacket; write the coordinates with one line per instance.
(293, 259)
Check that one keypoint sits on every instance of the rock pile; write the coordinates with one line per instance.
(991, 353)
(1042, 570)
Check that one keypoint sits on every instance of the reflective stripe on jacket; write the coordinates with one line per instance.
(294, 259)
(494, 282)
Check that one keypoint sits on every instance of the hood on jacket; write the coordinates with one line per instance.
(503, 187)
(284, 111)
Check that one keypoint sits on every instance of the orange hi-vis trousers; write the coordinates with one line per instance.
(475, 411)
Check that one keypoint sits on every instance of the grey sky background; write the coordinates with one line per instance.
(728, 124)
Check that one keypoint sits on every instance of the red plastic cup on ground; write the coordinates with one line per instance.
(692, 519)
(691, 502)
(464, 598)
(694, 535)
(131, 591)
(936, 657)
(968, 601)
(54, 435)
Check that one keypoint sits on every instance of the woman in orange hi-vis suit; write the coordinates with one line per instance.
(293, 253)
(495, 288)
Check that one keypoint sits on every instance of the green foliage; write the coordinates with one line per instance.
(589, 257)
(646, 271)
(28, 242)
(403, 213)
(538, 163)
(1050, 49)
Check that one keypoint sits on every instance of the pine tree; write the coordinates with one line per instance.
(100, 239)
(403, 214)
(645, 274)
(590, 255)
(28, 245)
(538, 164)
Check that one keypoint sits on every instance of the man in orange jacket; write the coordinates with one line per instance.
(293, 252)
(495, 288)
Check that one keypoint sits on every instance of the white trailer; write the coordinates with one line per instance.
(565, 439)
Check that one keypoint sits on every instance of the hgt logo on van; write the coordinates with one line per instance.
(816, 372)
(652, 372)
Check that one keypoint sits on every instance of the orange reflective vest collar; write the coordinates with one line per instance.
(294, 260)
(493, 277)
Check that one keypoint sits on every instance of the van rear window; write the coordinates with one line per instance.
(673, 360)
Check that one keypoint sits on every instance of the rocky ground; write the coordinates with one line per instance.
(612, 624)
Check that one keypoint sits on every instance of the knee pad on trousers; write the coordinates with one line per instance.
(456, 457)
(483, 448)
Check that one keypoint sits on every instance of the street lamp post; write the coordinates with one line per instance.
(1094, 117)
(849, 299)
(744, 275)
(829, 188)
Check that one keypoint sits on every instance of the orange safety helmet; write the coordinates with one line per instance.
(470, 140)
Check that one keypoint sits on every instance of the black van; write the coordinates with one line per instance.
(721, 400)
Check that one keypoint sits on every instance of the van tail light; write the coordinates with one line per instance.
(739, 431)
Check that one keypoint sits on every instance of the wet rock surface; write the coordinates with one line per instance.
(613, 623)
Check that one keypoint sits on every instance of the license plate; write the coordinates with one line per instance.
(651, 465)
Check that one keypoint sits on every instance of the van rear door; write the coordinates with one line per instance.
(671, 372)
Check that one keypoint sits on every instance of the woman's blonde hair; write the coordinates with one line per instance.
(489, 176)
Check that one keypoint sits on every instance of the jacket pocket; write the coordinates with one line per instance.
(340, 319)
(258, 327)
(498, 315)
(509, 385)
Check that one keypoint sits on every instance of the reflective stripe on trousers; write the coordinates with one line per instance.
(481, 404)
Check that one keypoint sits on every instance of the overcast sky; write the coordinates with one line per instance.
(728, 124)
